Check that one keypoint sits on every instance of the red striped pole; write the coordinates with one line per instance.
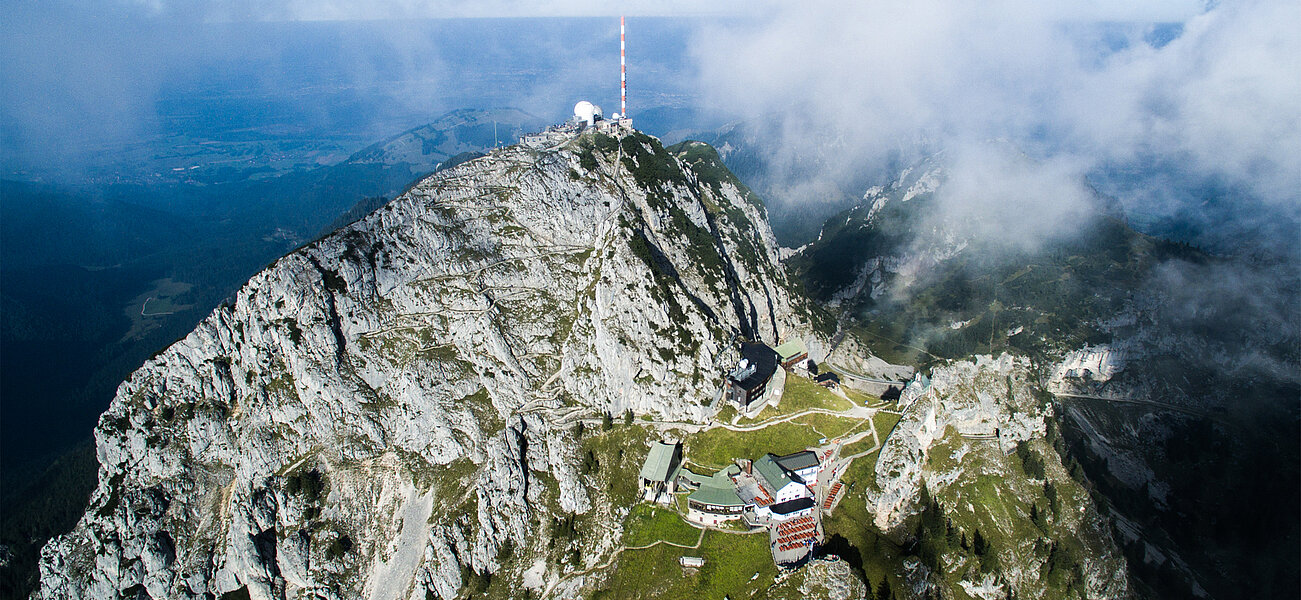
(623, 74)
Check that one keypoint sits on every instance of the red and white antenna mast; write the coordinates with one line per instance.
(623, 75)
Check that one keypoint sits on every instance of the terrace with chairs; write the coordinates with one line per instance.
(831, 495)
(793, 541)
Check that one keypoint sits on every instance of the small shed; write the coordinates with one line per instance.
(829, 380)
(692, 562)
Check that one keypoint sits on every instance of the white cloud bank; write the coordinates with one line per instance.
(1066, 82)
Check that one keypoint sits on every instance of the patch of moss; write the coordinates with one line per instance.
(736, 566)
(646, 524)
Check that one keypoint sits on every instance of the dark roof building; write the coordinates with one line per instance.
(782, 509)
(798, 461)
(749, 380)
(803, 464)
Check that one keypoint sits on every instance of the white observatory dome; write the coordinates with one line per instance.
(587, 112)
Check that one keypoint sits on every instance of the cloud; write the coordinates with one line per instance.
(1235, 320)
(1222, 96)
(995, 194)
(81, 83)
(362, 10)
(1211, 95)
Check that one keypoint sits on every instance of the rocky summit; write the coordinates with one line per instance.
(462, 394)
(388, 411)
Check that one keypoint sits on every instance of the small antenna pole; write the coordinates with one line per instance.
(623, 74)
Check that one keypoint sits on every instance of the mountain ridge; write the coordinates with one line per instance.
(333, 352)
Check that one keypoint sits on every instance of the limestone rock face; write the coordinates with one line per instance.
(1088, 365)
(388, 411)
(986, 398)
(977, 439)
(822, 579)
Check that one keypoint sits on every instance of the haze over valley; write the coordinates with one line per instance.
(350, 300)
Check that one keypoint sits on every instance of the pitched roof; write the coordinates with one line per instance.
(790, 506)
(799, 460)
(717, 490)
(764, 361)
(694, 478)
(659, 462)
(791, 349)
(773, 473)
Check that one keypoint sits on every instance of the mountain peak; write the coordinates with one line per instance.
(460, 329)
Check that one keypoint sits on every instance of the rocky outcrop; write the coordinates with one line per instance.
(385, 412)
(1091, 364)
(986, 398)
(977, 439)
(854, 357)
(821, 579)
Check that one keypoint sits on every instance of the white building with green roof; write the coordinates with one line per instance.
(716, 500)
(779, 481)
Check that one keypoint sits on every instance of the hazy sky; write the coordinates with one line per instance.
(1201, 93)
(80, 80)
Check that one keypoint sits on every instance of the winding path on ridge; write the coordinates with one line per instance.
(857, 412)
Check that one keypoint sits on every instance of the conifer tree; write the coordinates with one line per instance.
(1050, 492)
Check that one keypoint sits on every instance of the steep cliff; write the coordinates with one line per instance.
(388, 412)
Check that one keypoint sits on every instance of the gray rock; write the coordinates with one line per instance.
(427, 362)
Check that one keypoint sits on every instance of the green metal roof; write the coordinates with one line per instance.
(791, 349)
(659, 462)
(695, 478)
(717, 490)
(772, 472)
